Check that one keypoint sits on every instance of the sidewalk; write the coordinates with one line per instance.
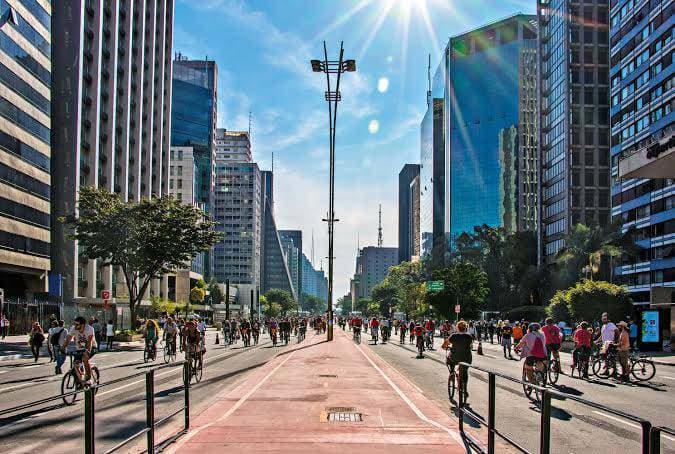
(289, 405)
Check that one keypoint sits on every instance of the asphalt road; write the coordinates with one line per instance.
(575, 428)
(120, 408)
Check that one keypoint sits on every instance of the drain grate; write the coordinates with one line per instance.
(345, 417)
(327, 376)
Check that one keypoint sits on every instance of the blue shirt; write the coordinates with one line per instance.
(633, 330)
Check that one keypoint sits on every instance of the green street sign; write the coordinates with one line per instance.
(435, 286)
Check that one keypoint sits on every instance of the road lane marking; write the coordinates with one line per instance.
(232, 409)
(412, 406)
(636, 426)
(667, 377)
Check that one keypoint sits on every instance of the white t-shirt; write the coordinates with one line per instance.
(110, 329)
(80, 338)
(607, 332)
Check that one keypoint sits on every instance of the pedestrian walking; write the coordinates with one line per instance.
(110, 334)
(506, 333)
(35, 340)
(4, 326)
(491, 331)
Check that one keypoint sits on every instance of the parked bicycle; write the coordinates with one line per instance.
(71, 380)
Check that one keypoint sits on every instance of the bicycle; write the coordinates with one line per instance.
(539, 380)
(373, 335)
(273, 335)
(641, 367)
(70, 381)
(357, 334)
(170, 350)
(581, 365)
(429, 340)
(245, 337)
(454, 378)
(150, 351)
(193, 368)
(609, 363)
(256, 336)
(420, 347)
(553, 369)
(301, 334)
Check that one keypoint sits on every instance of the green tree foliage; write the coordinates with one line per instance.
(529, 313)
(363, 305)
(201, 284)
(283, 299)
(559, 307)
(314, 305)
(271, 309)
(464, 284)
(216, 295)
(587, 300)
(408, 278)
(143, 239)
(161, 306)
(197, 295)
(385, 296)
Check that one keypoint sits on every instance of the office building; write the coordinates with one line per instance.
(408, 217)
(574, 113)
(233, 146)
(111, 119)
(296, 237)
(274, 272)
(25, 146)
(292, 255)
(643, 150)
(314, 282)
(372, 266)
(238, 211)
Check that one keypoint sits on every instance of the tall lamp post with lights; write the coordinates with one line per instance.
(333, 97)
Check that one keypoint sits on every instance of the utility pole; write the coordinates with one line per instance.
(379, 230)
(329, 67)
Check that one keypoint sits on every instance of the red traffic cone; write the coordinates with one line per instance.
(217, 339)
(479, 350)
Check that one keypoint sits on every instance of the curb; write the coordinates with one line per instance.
(14, 357)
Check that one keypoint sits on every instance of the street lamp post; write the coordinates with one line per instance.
(333, 97)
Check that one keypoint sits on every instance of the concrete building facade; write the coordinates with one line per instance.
(111, 121)
(372, 266)
(233, 146)
(408, 212)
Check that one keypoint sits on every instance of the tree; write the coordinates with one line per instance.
(464, 284)
(408, 279)
(197, 295)
(587, 300)
(314, 304)
(283, 299)
(385, 295)
(215, 293)
(144, 240)
(271, 309)
(559, 307)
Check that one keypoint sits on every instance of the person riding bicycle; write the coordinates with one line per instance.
(285, 329)
(274, 328)
(553, 337)
(255, 330)
(532, 347)
(374, 328)
(459, 344)
(418, 332)
(245, 328)
(170, 332)
(582, 351)
(227, 329)
(356, 326)
(191, 339)
(404, 327)
(151, 332)
(430, 331)
(85, 341)
(411, 330)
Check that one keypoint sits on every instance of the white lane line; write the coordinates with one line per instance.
(3, 371)
(667, 377)
(234, 408)
(412, 406)
(636, 426)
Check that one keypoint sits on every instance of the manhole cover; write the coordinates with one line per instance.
(327, 376)
(345, 417)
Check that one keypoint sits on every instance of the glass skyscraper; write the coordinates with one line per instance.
(643, 160)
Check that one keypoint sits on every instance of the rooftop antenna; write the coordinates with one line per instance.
(312, 247)
(272, 162)
(358, 243)
(429, 81)
(250, 119)
(379, 230)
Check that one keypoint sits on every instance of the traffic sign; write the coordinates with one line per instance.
(435, 286)
(105, 294)
(457, 308)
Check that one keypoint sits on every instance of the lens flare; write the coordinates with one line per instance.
(373, 126)
(383, 85)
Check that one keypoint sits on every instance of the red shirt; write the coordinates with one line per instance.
(582, 337)
(429, 326)
(418, 330)
(356, 322)
(374, 323)
(552, 334)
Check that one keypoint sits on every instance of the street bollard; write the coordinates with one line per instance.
(186, 385)
(89, 422)
(150, 409)
(545, 429)
(492, 396)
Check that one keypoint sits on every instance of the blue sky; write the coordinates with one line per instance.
(263, 49)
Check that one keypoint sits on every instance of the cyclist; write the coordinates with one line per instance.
(191, 340)
(245, 328)
(430, 328)
(418, 333)
(85, 340)
(411, 330)
(151, 332)
(226, 332)
(285, 329)
(553, 337)
(460, 352)
(255, 331)
(170, 332)
(274, 327)
(374, 325)
(532, 347)
(582, 342)
(404, 327)
(356, 326)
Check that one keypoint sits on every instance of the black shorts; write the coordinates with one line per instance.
(532, 360)
(553, 347)
(77, 355)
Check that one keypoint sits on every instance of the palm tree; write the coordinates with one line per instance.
(588, 245)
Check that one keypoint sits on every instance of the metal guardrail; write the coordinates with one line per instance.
(649, 440)
(151, 423)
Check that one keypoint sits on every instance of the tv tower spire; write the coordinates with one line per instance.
(379, 230)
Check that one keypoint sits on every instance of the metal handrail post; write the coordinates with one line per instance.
(150, 409)
(186, 385)
(655, 440)
(545, 432)
(646, 442)
(492, 398)
(460, 402)
(89, 422)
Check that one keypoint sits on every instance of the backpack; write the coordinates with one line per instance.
(56, 336)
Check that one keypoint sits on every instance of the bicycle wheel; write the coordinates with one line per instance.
(167, 355)
(451, 386)
(145, 355)
(540, 381)
(643, 370)
(69, 384)
(611, 368)
(197, 368)
(526, 388)
(596, 366)
(553, 371)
